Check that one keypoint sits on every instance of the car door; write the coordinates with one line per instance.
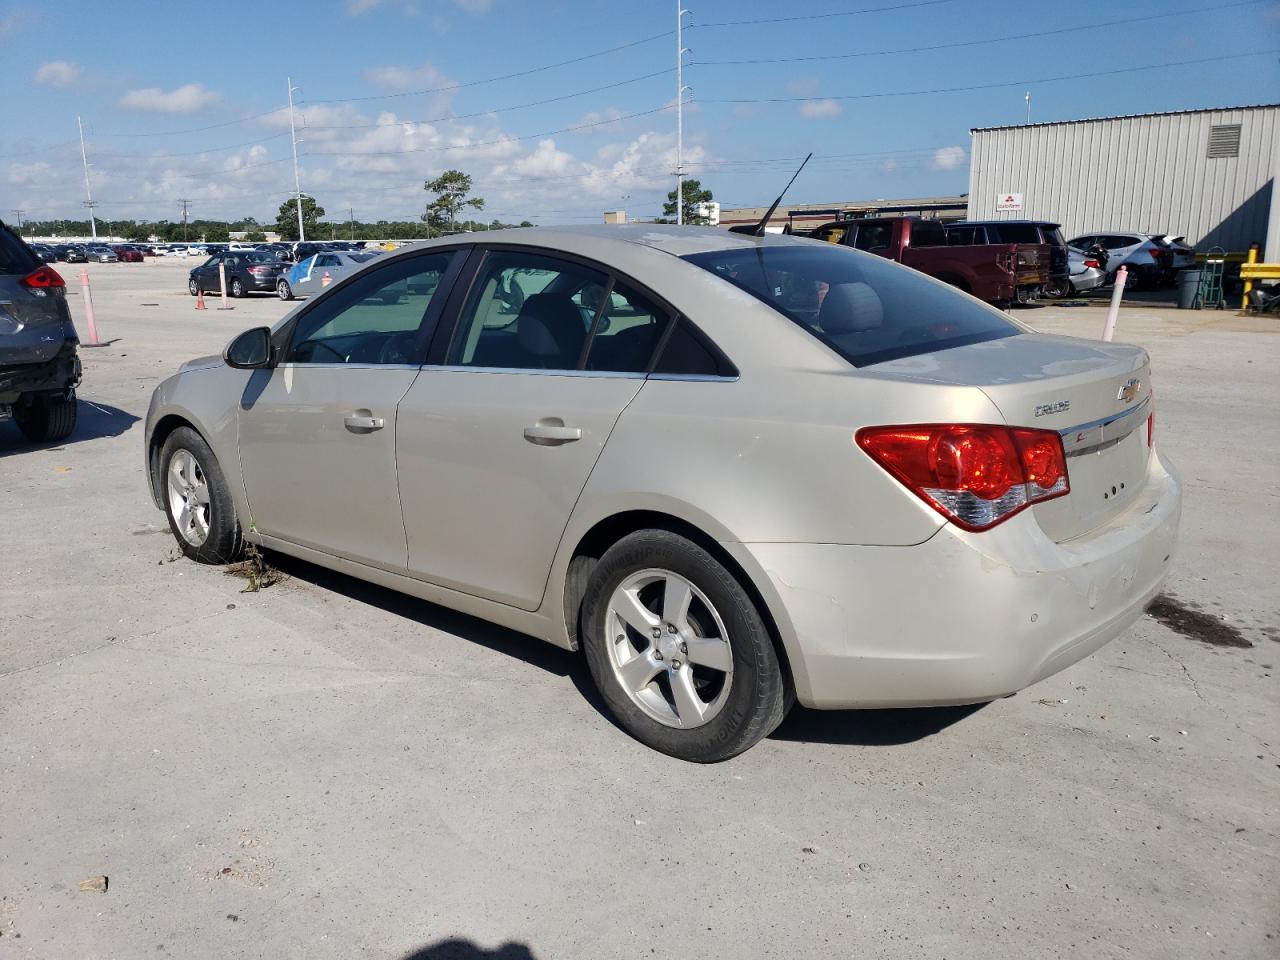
(207, 274)
(318, 432)
(496, 442)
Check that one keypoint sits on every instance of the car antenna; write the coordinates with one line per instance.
(758, 229)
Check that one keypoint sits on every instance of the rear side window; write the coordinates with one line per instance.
(1052, 235)
(866, 309)
(928, 233)
(16, 259)
(960, 236)
(687, 354)
(626, 331)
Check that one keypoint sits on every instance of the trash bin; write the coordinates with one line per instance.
(1189, 290)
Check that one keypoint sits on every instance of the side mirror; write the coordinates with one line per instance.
(249, 351)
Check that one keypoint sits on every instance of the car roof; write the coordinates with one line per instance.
(678, 241)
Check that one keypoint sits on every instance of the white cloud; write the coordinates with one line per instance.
(57, 73)
(889, 166)
(357, 7)
(186, 99)
(427, 76)
(815, 109)
(948, 158)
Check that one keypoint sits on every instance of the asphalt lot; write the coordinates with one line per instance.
(327, 769)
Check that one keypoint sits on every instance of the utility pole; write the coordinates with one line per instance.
(18, 213)
(352, 215)
(680, 89)
(293, 135)
(185, 204)
(1028, 99)
(84, 158)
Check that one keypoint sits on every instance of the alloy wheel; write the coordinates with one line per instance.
(669, 648)
(189, 497)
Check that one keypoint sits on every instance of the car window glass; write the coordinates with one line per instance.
(832, 233)
(15, 258)
(928, 233)
(374, 319)
(627, 332)
(686, 354)
(959, 236)
(873, 237)
(527, 312)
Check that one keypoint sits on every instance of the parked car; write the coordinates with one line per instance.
(127, 254)
(71, 253)
(1184, 255)
(733, 470)
(99, 253)
(1044, 232)
(1148, 258)
(318, 271)
(246, 272)
(45, 252)
(1084, 273)
(39, 363)
(175, 250)
(1001, 274)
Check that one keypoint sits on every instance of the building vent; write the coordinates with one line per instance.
(1224, 141)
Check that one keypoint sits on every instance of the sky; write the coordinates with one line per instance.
(562, 109)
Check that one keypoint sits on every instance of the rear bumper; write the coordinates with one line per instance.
(60, 373)
(1088, 280)
(962, 617)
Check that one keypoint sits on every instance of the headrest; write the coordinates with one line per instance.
(550, 327)
(850, 308)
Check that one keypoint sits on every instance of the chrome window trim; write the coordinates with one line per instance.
(348, 366)
(609, 374)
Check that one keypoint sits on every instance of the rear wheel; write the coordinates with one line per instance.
(679, 651)
(48, 417)
(283, 290)
(1058, 289)
(197, 500)
(237, 287)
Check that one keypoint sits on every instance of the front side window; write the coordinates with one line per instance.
(374, 319)
(527, 312)
(866, 309)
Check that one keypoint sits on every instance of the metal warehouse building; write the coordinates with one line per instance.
(1207, 175)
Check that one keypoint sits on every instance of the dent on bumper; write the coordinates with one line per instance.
(964, 617)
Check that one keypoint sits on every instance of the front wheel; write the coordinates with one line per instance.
(193, 286)
(678, 650)
(48, 417)
(197, 500)
(284, 291)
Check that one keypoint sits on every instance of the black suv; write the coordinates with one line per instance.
(39, 363)
(968, 232)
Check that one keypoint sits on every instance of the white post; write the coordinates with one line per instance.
(84, 158)
(1108, 331)
(297, 188)
(222, 283)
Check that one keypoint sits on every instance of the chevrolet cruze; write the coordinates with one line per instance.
(734, 471)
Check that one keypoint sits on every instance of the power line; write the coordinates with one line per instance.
(996, 85)
(1091, 27)
(824, 16)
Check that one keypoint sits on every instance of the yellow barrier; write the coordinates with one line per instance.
(1260, 271)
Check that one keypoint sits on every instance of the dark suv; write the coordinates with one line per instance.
(967, 232)
(39, 365)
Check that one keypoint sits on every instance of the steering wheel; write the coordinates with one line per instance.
(396, 348)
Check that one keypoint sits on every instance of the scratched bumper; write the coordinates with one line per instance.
(964, 617)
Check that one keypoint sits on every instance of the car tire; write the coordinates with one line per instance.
(48, 417)
(193, 287)
(208, 531)
(1058, 289)
(741, 690)
(284, 291)
(236, 288)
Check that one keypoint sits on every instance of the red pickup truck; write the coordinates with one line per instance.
(998, 273)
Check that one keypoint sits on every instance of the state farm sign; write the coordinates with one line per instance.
(1008, 201)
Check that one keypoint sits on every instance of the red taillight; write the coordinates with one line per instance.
(1157, 253)
(975, 475)
(43, 278)
(1092, 263)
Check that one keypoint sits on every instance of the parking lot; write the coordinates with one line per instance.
(324, 768)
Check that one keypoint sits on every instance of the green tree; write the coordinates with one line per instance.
(693, 194)
(216, 233)
(287, 218)
(255, 236)
(451, 189)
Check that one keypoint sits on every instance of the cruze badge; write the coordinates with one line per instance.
(1058, 406)
(1129, 390)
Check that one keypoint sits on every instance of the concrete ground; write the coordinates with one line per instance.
(327, 769)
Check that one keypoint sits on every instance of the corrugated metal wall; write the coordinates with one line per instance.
(1144, 174)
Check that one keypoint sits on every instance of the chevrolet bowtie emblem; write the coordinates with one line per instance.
(1130, 389)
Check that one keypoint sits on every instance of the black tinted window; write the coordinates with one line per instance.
(928, 233)
(626, 333)
(866, 309)
(686, 353)
(1016, 232)
(960, 236)
(15, 258)
(873, 236)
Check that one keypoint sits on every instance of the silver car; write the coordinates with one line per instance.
(734, 471)
(100, 254)
(313, 274)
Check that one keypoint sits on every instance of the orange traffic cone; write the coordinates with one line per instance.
(326, 279)
(200, 299)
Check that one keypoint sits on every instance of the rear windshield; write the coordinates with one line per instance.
(1052, 235)
(15, 258)
(867, 309)
(361, 257)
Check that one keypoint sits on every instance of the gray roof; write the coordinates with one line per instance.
(1127, 116)
(667, 238)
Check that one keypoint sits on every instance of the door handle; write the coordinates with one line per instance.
(552, 432)
(362, 424)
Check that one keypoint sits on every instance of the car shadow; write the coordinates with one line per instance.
(94, 421)
(458, 949)
(870, 728)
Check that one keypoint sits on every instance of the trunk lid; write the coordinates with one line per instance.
(1096, 395)
(33, 322)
